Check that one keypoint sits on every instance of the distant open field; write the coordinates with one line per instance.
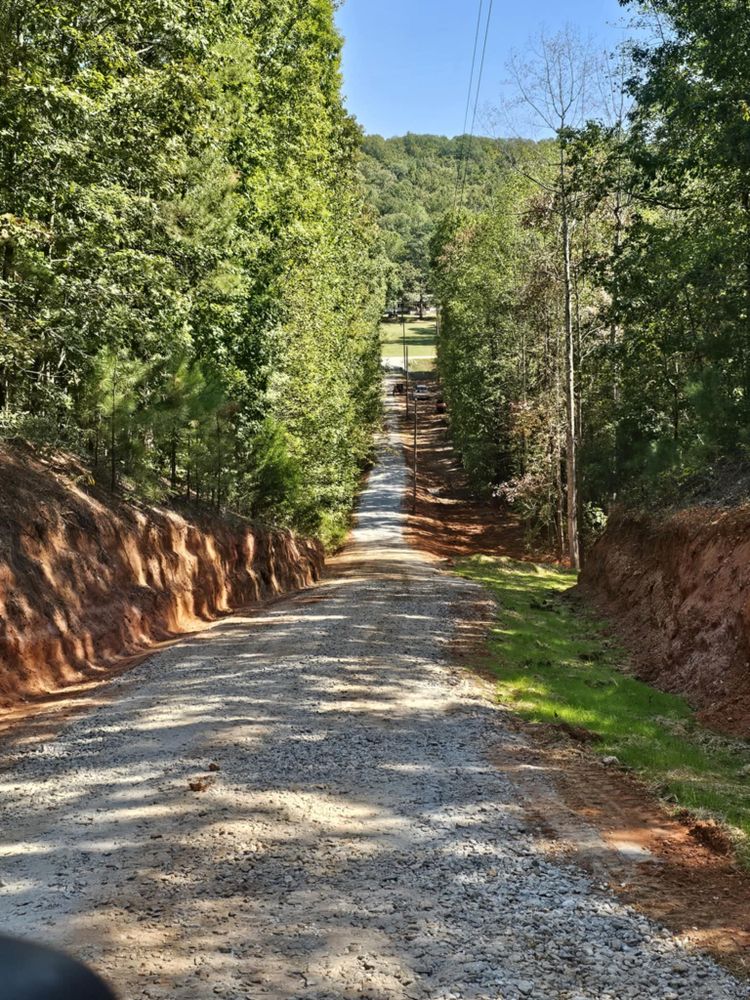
(420, 340)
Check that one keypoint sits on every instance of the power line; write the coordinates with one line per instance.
(462, 149)
(476, 97)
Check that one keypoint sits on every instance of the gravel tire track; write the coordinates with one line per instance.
(348, 836)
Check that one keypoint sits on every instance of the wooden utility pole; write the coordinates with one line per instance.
(406, 381)
(414, 495)
(406, 357)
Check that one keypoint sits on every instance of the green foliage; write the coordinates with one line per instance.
(500, 347)
(276, 474)
(116, 384)
(412, 182)
(186, 259)
(683, 272)
(553, 665)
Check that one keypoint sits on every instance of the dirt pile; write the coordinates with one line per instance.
(85, 581)
(678, 591)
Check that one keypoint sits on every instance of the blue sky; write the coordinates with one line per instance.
(407, 62)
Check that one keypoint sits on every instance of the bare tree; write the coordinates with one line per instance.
(558, 82)
(615, 103)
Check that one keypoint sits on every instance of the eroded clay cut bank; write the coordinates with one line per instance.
(84, 581)
(678, 590)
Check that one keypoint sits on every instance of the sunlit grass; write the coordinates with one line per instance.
(554, 664)
(420, 339)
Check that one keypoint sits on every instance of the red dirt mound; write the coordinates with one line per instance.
(85, 579)
(679, 591)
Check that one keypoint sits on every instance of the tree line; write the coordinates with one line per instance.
(414, 180)
(595, 320)
(190, 277)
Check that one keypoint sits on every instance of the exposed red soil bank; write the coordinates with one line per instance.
(85, 580)
(679, 592)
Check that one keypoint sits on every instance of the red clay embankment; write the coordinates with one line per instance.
(85, 580)
(677, 590)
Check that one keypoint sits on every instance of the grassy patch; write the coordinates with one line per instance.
(420, 339)
(555, 665)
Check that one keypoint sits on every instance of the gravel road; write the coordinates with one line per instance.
(345, 836)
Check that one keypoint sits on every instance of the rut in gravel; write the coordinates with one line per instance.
(346, 834)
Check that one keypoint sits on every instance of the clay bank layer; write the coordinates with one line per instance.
(678, 590)
(85, 581)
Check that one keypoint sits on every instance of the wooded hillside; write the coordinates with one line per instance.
(414, 180)
(189, 283)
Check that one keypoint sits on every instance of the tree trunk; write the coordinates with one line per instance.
(219, 461)
(560, 503)
(112, 437)
(746, 204)
(570, 401)
(613, 327)
(614, 336)
(173, 460)
(9, 252)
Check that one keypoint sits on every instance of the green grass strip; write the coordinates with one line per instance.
(554, 664)
(421, 339)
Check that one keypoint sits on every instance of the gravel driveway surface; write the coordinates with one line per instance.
(345, 835)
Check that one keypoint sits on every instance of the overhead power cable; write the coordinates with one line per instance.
(476, 100)
(462, 149)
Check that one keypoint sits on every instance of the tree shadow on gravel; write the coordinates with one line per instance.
(352, 841)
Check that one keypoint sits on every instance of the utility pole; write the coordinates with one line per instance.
(406, 357)
(414, 496)
(406, 381)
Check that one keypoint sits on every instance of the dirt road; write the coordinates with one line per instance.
(302, 802)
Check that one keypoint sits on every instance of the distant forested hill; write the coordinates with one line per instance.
(412, 183)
